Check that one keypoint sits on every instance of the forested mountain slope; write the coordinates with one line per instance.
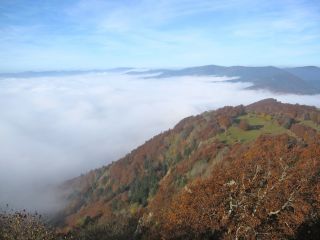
(242, 172)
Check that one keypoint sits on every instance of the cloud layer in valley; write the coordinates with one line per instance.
(54, 128)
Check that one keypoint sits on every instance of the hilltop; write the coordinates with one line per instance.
(236, 172)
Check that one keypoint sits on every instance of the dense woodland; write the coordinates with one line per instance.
(245, 172)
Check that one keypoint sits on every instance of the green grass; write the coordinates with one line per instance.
(266, 123)
(255, 119)
(311, 124)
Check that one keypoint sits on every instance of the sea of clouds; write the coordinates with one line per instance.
(55, 128)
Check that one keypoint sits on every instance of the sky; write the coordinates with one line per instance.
(97, 34)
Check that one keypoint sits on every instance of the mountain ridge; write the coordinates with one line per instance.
(304, 80)
(136, 195)
(57, 73)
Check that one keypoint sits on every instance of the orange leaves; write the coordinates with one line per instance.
(264, 191)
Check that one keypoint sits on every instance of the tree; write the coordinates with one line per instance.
(244, 125)
(224, 121)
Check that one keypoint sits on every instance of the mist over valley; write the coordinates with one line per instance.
(57, 127)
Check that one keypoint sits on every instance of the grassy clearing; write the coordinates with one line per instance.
(256, 119)
(261, 124)
(311, 124)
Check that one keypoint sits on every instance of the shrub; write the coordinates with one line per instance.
(24, 226)
(244, 125)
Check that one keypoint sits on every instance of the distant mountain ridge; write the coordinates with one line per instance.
(32, 74)
(309, 73)
(296, 80)
(299, 80)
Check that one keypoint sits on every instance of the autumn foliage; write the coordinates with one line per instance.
(266, 193)
(189, 183)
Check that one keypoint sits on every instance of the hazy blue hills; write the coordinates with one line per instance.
(299, 80)
(310, 74)
(31, 74)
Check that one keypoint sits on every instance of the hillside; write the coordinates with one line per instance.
(310, 74)
(299, 80)
(242, 172)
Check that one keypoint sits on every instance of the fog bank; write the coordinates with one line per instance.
(54, 128)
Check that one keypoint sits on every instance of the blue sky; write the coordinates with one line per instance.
(86, 34)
